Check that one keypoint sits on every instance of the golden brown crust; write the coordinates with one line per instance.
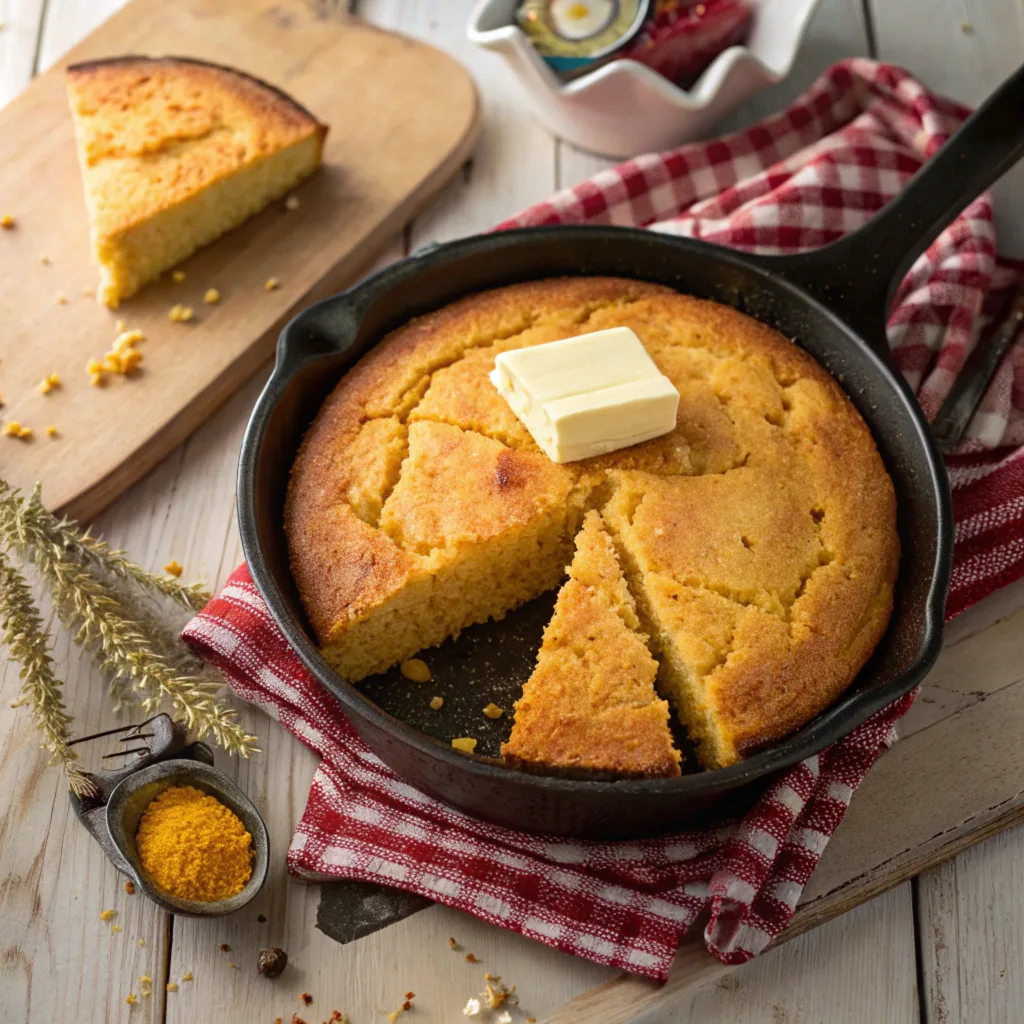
(207, 120)
(768, 510)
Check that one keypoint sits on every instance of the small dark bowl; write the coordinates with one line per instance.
(131, 797)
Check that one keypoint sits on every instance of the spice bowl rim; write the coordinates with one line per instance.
(182, 771)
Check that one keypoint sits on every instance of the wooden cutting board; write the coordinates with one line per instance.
(403, 118)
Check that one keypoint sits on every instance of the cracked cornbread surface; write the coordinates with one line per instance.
(174, 153)
(758, 539)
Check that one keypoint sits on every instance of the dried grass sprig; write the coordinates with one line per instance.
(23, 633)
(133, 648)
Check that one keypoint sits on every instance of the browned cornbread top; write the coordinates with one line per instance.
(769, 498)
(155, 131)
(590, 705)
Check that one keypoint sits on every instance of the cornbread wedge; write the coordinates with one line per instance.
(590, 706)
(758, 538)
(176, 152)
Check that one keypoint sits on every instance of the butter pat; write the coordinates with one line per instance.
(587, 395)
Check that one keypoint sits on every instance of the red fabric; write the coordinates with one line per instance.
(798, 180)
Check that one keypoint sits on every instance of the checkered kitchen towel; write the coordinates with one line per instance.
(798, 180)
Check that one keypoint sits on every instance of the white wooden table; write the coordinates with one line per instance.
(947, 947)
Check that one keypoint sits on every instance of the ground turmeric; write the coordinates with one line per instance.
(194, 847)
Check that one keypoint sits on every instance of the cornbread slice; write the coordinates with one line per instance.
(174, 153)
(758, 538)
(590, 705)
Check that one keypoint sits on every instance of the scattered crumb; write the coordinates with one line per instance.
(504, 1017)
(171, 987)
(172, 568)
(967, 28)
(337, 1017)
(261, 918)
(493, 711)
(271, 284)
(187, 977)
(494, 993)
(471, 959)
(115, 928)
(177, 276)
(436, 703)
(61, 299)
(7, 222)
(452, 944)
(234, 967)
(88, 293)
(126, 339)
(45, 260)
(180, 314)
(306, 998)
(130, 999)
(296, 1019)
(531, 1020)
(142, 942)
(49, 383)
(145, 979)
(291, 203)
(223, 947)
(108, 915)
(212, 297)
(15, 429)
(416, 671)
(472, 1008)
(465, 743)
(119, 326)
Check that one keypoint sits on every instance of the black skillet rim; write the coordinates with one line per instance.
(835, 722)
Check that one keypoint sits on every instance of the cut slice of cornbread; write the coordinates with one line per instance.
(174, 153)
(590, 705)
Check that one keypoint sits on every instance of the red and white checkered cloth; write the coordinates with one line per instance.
(798, 180)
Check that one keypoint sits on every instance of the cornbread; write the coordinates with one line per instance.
(590, 705)
(758, 538)
(175, 152)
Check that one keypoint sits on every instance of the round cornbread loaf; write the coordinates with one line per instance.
(758, 539)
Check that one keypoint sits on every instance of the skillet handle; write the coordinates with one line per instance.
(857, 276)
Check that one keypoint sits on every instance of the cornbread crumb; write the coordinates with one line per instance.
(51, 431)
(180, 314)
(129, 886)
(173, 568)
(7, 222)
(493, 711)
(88, 293)
(119, 326)
(126, 339)
(141, 942)
(271, 283)
(416, 671)
(436, 703)
(467, 745)
(212, 297)
(470, 958)
(187, 977)
(291, 203)
(49, 383)
(171, 987)
(116, 928)
(472, 1008)
(452, 944)
(15, 429)
(130, 999)
(96, 380)
(61, 299)
(45, 260)
(177, 276)
(967, 28)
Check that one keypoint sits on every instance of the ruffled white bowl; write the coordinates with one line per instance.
(624, 108)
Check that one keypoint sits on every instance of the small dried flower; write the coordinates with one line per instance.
(416, 671)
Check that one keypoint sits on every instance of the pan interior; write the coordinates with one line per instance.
(491, 662)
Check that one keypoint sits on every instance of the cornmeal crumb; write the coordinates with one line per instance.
(493, 711)
(130, 999)
(177, 276)
(7, 222)
(62, 299)
(119, 326)
(171, 987)
(126, 339)
(172, 568)
(465, 743)
(180, 314)
(271, 283)
(49, 383)
(142, 942)
(187, 977)
(436, 703)
(212, 297)
(45, 260)
(416, 671)
(15, 429)
(291, 203)
(96, 379)
(116, 928)
(51, 431)
(88, 292)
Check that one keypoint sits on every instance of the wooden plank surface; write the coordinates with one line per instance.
(412, 127)
(57, 962)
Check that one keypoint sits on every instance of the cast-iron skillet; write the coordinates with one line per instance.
(833, 302)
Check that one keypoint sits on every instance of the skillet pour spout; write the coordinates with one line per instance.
(833, 303)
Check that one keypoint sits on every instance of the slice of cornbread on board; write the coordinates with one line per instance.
(176, 152)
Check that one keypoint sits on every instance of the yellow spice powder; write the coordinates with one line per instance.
(194, 847)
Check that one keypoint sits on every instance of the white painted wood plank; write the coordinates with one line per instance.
(67, 22)
(972, 933)
(859, 967)
(964, 49)
(514, 162)
(22, 23)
